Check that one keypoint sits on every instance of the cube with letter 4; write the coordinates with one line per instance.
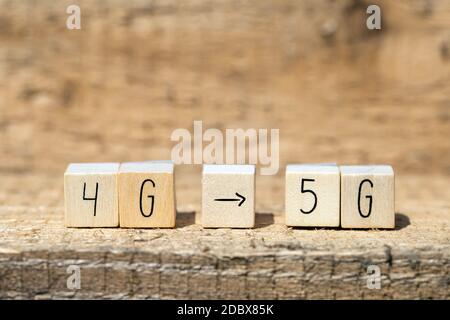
(367, 197)
(228, 196)
(147, 194)
(90, 193)
(312, 195)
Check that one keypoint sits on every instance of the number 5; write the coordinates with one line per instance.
(309, 191)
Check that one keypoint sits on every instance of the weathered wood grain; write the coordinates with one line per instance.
(270, 261)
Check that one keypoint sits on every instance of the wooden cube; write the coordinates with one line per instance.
(367, 197)
(90, 193)
(228, 196)
(312, 195)
(147, 195)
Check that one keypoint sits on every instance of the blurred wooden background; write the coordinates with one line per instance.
(137, 70)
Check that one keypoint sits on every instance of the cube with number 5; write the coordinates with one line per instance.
(312, 195)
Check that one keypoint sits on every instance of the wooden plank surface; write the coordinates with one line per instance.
(269, 261)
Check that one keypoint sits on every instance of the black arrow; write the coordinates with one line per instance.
(241, 199)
